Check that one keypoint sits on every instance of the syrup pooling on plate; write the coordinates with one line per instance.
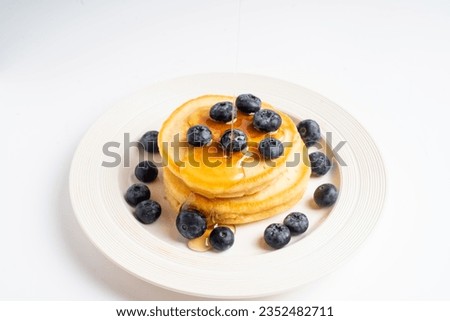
(201, 244)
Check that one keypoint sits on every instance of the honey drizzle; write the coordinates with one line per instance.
(188, 202)
(243, 122)
(233, 110)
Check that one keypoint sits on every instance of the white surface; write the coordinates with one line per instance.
(63, 63)
(156, 253)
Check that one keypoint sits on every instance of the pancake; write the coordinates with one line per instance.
(205, 170)
(235, 188)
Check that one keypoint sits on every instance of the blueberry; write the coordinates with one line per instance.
(271, 148)
(199, 135)
(191, 223)
(222, 112)
(266, 120)
(309, 131)
(277, 235)
(150, 141)
(320, 163)
(233, 141)
(326, 195)
(146, 171)
(137, 193)
(221, 238)
(248, 103)
(296, 222)
(148, 211)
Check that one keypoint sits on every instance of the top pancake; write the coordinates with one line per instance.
(207, 170)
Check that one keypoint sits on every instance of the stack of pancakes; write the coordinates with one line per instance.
(230, 188)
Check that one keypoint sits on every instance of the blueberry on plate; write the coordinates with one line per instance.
(277, 235)
(309, 131)
(320, 163)
(137, 193)
(221, 238)
(146, 171)
(296, 222)
(271, 148)
(233, 140)
(266, 120)
(222, 112)
(248, 103)
(326, 195)
(191, 223)
(147, 211)
(150, 141)
(199, 135)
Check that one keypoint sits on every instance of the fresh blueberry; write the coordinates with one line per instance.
(191, 223)
(221, 238)
(199, 135)
(146, 171)
(137, 193)
(309, 131)
(266, 120)
(248, 103)
(271, 148)
(148, 211)
(277, 235)
(222, 112)
(320, 163)
(326, 195)
(296, 222)
(150, 141)
(233, 140)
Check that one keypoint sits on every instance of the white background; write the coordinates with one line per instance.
(63, 63)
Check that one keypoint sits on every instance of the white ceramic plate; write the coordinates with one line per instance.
(158, 254)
